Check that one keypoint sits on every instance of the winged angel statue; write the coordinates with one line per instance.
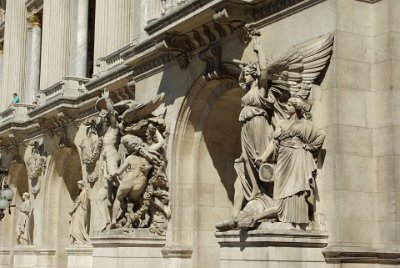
(135, 188)
(276, 171)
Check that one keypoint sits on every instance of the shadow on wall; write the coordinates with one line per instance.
(221, 135)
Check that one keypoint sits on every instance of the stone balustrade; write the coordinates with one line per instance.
(68, 87)
(108, 62)
(160, 8)
(16, 114)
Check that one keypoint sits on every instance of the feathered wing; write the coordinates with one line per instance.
(142, 110)
(303, 64)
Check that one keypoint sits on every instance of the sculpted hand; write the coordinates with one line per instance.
(256, 44)
(260, 160)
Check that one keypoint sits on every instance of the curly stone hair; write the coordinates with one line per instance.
(302, 106)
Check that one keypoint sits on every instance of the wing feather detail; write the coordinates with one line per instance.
(303, 64)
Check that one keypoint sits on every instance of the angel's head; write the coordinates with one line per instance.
(250, 72)
(132, 143)
(300, 106)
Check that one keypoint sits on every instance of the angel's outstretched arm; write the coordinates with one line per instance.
(157, 146)
(262, 63)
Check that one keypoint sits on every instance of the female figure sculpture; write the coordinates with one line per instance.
(296, 142)
(79, 217)
(24, 221)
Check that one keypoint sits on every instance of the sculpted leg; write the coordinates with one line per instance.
(238, 198)
(104, 210)
(120, 198)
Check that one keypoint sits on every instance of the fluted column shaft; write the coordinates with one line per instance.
(154, 10)
(14, 51)
(34, 37)
(113, 24)
(79, 38)
(118, 24)
(55, 48)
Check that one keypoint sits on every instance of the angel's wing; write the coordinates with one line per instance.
(303, 64)
(142, 110)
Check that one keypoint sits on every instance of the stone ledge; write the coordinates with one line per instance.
(273, 237)
(362, 255)
(80, 250)
(118, 238)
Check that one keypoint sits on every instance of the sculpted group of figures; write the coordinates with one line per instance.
(276, 171)
(134, 191)
(135, 187)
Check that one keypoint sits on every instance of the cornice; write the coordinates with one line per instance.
(369, 1)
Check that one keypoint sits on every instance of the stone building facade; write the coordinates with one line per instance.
(168, 69)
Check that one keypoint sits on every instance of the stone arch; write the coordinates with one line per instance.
(206, 140)
(63, 173)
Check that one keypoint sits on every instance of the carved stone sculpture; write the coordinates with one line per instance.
(79, 217)
(24, 227)
(276, 129)
(35, 165)
(91, 148)
(135, 193)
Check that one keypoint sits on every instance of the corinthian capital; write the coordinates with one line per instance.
(33, 19)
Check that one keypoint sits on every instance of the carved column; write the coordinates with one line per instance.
(14, 51)
(34, 37)
(79, 35)
(55, 41)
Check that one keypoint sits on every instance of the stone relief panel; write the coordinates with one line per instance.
(276, 171)
(134, 192)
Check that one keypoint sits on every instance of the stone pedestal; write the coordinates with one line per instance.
(271, 247)
(24, 256)
(45, 258)
(80, 257)
(5, 258)
(117, 249)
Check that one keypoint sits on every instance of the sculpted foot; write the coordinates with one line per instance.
(226, 225)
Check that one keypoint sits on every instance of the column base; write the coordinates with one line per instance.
(118, 249)
(270, 246)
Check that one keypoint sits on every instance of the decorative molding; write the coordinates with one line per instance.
(361, 255)
(176, 252)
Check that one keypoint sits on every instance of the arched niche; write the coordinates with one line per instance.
(63, 173)
(206, 142)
